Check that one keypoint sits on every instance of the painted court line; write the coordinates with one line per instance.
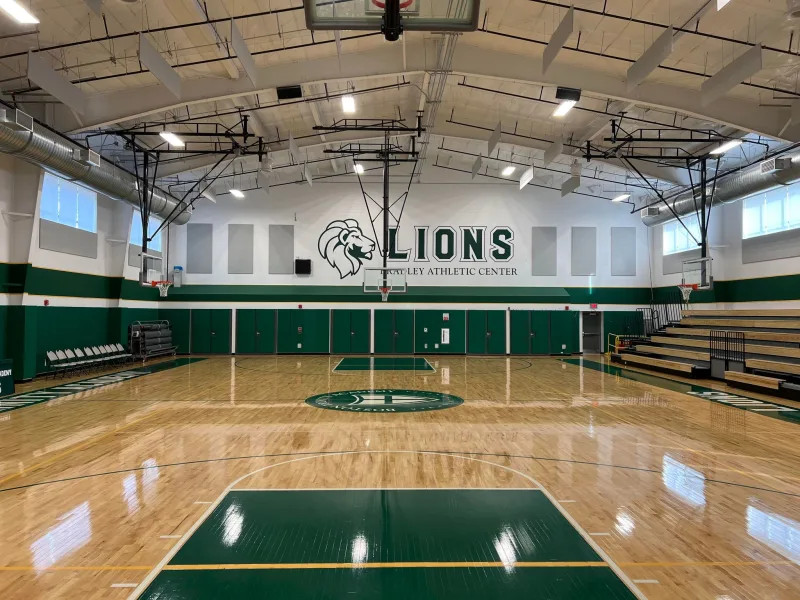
(645, 581)
(600, 533)
(570, 519)
(169, 537)
(388, 489)
(202, 502)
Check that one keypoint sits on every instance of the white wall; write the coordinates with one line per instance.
(311, 209)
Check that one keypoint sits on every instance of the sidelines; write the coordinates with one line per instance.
(433, 370)
(762, 407)
(67, 389)
(186, 536)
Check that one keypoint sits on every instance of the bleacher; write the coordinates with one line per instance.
(759, 348)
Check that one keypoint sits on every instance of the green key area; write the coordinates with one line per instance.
(367, 363)
(360, 544)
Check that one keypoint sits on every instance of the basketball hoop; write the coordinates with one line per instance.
(686, 291)
(163, 287)
(384, 294)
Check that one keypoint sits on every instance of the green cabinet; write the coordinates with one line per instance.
(211, 331)
(255, 331)
(394, 331)
(303, 331)
(564, 332)
(440, 331)
(486, 332)
(350, 331)
(530, 332)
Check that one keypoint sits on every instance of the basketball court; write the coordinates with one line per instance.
(387, 299)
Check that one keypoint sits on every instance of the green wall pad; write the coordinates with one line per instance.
(361, 544)
(383, 364)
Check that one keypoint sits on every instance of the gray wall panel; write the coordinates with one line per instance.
(584, 251)
(784, 244)
(69, 240)
(281, 249)
(240, 249)
(199, 248)
(623, 251)
(545, 251)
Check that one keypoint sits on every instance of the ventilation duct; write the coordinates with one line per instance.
(755, 179)
(24, 138)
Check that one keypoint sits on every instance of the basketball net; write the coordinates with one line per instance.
(163, 287)
(686, 291)
(384, 294)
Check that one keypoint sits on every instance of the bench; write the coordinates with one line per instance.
(768, 336)
(774, 312)
(773, 366)
(755, 380)
(690, 354)
(670, 365)
(744, 323)
(751, 348)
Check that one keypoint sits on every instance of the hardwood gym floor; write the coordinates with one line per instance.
(216, 479)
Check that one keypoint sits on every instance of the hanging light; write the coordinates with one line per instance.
(236, 193)
(348, 104)
(727, 146)
(172, 139)
(359, 168)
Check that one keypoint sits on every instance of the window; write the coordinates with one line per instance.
(771, 212)
(677, 239)
(68, 203)
(136, 232)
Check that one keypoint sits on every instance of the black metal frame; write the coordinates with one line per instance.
(727, 351)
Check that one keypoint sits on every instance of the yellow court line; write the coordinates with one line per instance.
(85, 444)
(377, 565)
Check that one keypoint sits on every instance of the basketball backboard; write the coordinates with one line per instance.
(416, 15)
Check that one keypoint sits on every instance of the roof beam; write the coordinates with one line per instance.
(213, 35)
(123, 105)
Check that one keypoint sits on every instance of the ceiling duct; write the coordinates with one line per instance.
(43, 147)
(761, 177)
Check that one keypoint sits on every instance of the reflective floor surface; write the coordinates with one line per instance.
(553, 479)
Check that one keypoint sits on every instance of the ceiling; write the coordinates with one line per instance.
(494, 75)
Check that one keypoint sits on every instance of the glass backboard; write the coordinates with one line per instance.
(416, 15)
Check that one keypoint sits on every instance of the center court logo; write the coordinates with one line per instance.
(384, 401)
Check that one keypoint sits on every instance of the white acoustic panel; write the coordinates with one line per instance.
(727, 78)
(558, 39)
(293, 149)
(652, 57)
(553, 151)
(623, 251)
(42, 74)
(570, 185)
(494, 139)
(584, 251)
(476, 166)
(526, 177)
(160, 68)
(242, 52)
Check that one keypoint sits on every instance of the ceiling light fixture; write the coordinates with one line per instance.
(236, 193)
(621, 198)
(17, 12)
(348, 104)
(569, 98)
(508, 170)
(172, 139)
(359, 168)
(729, 145)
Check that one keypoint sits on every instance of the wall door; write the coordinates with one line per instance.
(394, 331)
(303, 331)
(255, 331)
(564, 332)
(350, 331)
(486, 332)
(530, 332)
(211, 331)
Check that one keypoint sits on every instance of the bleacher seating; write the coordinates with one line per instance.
(771, 348)
(148, 339)
(74, 361)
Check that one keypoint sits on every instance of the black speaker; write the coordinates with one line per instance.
(302, 266)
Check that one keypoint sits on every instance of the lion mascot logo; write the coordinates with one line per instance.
(345, 247)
